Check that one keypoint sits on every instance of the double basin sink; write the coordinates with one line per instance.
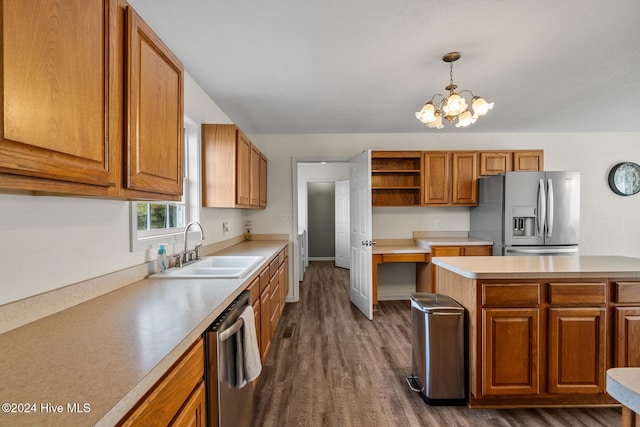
(213, 267)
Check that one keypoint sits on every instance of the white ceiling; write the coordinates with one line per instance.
(365, 66)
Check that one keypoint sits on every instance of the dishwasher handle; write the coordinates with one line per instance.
(231, 330)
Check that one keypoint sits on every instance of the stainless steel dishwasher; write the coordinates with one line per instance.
(227, 403)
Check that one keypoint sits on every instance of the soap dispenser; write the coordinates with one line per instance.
(162, 259)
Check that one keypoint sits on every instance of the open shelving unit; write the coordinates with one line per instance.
(396, 178)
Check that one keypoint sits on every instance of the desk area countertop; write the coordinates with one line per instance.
(396, 247)
(508, 267)
(109, 351)
(423, 241)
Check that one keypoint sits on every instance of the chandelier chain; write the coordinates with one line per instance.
(451, 73)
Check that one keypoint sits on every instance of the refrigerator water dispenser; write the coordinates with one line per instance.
(524, 221)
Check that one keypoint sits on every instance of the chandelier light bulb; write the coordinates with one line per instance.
(437, 122)
(454, 106)
(480, 106)
(427, 114)
(465, 119)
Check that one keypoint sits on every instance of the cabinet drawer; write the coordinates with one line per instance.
(254, 288)
(445, 251)
(577, 293)
(404, 257)
(273, 267)
(264, 279)
(281, 257)
(628, 292)
(163, 402)
(510, 294)
(477, 250)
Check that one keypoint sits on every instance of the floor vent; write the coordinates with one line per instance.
(288, 331)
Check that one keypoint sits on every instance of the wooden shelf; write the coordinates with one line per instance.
(396, 178)
(395, 171)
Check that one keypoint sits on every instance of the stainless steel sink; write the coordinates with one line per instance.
(213, 267)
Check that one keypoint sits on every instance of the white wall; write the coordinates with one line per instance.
(50, 242)
(608, 221)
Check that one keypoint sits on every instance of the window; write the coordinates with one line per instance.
(156, 222)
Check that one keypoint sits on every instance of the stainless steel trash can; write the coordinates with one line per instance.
(438, 371)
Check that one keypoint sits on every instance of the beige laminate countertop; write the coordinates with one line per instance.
(428, 242)
(623, 384)
(399, 249)
(109, 351)
(423, 245)
(507, 267)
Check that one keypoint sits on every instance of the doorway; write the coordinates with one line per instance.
(321, 224)
(304, 172)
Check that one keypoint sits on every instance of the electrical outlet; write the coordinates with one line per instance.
(225, 227)
(438, 224)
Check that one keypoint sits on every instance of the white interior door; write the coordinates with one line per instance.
(360, 284)
(343, 248)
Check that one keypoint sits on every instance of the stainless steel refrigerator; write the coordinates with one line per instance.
(528, 213)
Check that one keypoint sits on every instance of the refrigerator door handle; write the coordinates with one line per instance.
(550, 208)
(541, 251)
(542, 208)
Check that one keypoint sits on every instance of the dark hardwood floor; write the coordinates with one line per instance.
(330, 366)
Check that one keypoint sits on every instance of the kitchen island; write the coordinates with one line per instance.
(542, 331)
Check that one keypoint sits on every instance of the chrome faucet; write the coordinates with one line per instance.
(187, 257)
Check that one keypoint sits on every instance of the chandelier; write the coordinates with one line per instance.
(452, 107)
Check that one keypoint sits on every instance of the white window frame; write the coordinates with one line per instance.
(191, 198)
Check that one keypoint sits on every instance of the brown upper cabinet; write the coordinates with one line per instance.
(450, 178)
(69, 92)
(495, 162)
(441, 178)
(154, 111)
(263, 181)
(234, 171)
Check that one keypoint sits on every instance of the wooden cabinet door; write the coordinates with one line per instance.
(577, 350)
(263, 181)
(627, 335)
(154, 105)
(254, 187)
(495, 162)
(257, 316)
(464, 176)
(274, 305)
(282, 286)
(265, 323)
(193, 412)
(57, 67)
(437, 173)
(510, 351)
(243, 169)
(528, 160)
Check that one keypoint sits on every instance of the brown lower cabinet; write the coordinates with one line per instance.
(273, 284)
(548, 342)
(178, 399)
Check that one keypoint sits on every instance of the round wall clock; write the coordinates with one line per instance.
(624, 178)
